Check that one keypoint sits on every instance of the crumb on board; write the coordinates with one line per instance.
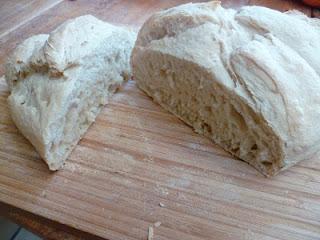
(150, 233)
(157, 224)
(44, 194)
(161, 204)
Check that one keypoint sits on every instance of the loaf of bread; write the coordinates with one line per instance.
(248, 78)
(59, 82)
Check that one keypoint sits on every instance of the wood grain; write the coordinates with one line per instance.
(316, 13)
(283, 5)
(15, 13)
(137, 156)
(134, 157)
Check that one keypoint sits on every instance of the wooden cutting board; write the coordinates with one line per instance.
(138, 164)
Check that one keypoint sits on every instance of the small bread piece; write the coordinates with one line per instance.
(59, 82)
(247, 79)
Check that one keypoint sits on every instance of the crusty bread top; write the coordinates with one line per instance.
(61, 49)
(20, 62)
(69, 43)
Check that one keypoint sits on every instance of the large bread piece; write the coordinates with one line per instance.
(247, 79)
(59, 82)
